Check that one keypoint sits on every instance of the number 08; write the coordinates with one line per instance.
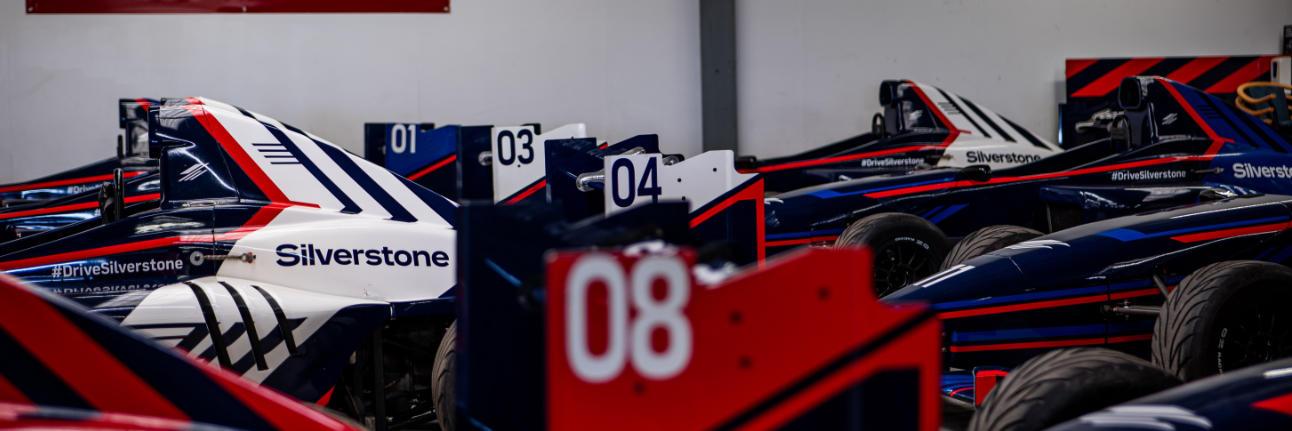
(628, 341)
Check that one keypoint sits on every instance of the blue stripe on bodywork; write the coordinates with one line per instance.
(1026, 297)
(1027, 333)
(392, 206)
(811, 233)
(1126, 234)
(830, 193)
(937, 218)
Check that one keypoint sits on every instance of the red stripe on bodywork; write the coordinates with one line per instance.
(942, 118)
(839, 159)
(80, 362)
(239, 154)
(1054, 303)
(754, 193)
(799, 241)
(1216, 140)
(1281, 404)
(1005, 180)
(1135, 293)
(143, 103)
(433, 167)
(1109, 81)
(1223, 233)
(66, 182)
(278, 410)
(1050, 344)
(525, 193)
(88, 253)
(258, 220)
(74, 207)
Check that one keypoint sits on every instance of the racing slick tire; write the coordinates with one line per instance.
(442, 378)
(987, 240)
(1225, 316)
(905, 247)
(1063, 384)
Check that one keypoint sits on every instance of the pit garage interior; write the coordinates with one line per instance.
(674, 214)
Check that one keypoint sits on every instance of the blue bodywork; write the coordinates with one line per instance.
(1181, 142)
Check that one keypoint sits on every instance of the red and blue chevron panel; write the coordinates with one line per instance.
(1091, 83)
(1219, 75)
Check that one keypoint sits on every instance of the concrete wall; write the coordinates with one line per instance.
(810, 70)
(622, 66)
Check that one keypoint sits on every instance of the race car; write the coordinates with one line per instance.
(1094, 389)
(904, 137)
(273, 253)
(67, 368)
(921, 126)
(132, 158)
(30, 217)
(1181, 145)
(1003, 298)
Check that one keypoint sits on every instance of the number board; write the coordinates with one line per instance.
(639, 179)
(519, 161)
(634, 343)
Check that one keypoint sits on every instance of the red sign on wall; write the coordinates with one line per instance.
(236, 6)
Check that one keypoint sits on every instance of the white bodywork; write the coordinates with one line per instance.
(313, 258)
(519, 157)
(985, 138)
(697, 180)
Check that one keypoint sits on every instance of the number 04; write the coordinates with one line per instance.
(628, 341)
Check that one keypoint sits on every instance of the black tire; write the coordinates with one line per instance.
(1063, 384)
(987, 240)
(906, 248)
(1225, 316)
(443, 383)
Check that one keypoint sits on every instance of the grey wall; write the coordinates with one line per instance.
(622, 66)
(810, 70)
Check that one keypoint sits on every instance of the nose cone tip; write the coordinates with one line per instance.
(978, 277)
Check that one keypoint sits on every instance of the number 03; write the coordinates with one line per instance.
(628, 341)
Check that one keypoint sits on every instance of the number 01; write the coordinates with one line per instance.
(628, 341)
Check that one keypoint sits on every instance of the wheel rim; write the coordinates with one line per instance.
(899, 262)
(1254, 327)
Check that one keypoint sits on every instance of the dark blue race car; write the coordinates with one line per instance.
(132, 158)
(1174, 145)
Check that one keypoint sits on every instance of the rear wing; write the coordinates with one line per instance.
(530, 356)
(503, 164)
(60, 356)
(725, 206)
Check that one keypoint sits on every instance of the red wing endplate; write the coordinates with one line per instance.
(59, 358)
(633, 342)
